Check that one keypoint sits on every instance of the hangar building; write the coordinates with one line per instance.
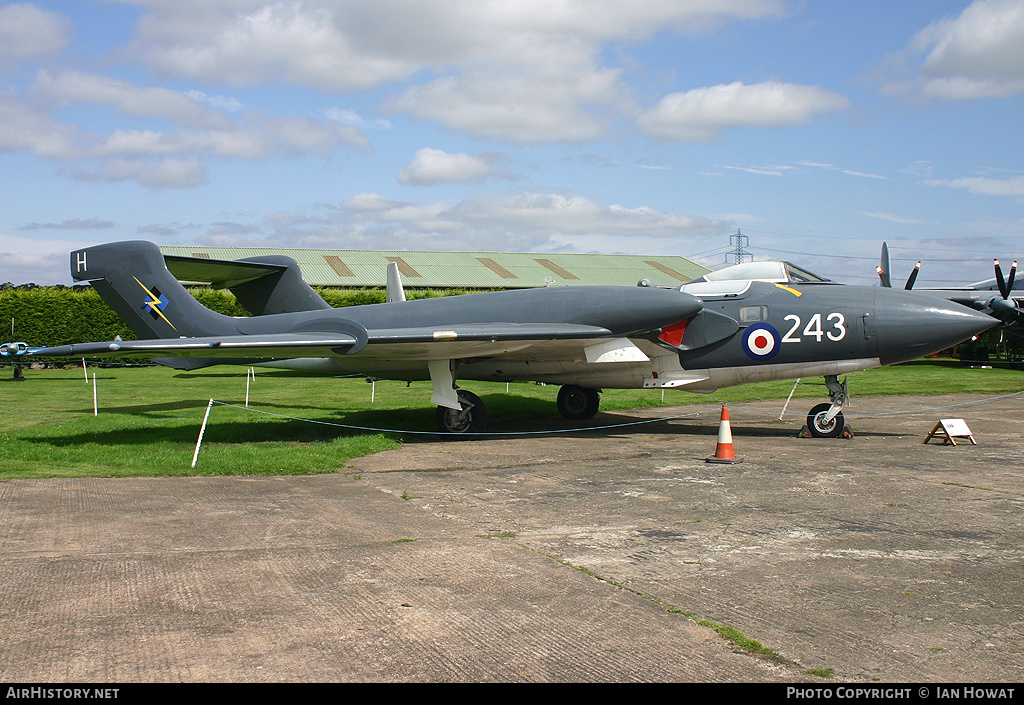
(359, 269)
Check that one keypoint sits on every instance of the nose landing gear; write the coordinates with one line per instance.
(826, 420)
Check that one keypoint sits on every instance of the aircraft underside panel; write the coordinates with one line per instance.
(731, 376)
(660, 371)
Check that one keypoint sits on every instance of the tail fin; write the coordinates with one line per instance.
(134, 281)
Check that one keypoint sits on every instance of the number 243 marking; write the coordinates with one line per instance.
(813, 329)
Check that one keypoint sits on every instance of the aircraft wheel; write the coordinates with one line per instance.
(472, 419)
(819, 428)
(577, 402)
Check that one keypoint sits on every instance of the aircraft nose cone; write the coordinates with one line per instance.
(913, 325)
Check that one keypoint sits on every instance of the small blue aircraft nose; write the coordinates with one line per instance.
(912, 325)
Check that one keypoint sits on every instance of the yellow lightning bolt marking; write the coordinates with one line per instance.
(152, 303)
(794, 292)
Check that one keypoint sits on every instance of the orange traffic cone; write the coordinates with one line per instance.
(724, 452)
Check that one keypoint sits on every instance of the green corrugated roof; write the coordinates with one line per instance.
(468, 270)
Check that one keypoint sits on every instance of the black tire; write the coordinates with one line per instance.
(472, 419)
(577, 403)
(817, 426)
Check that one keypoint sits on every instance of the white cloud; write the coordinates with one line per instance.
(47, 260)
(434, 166)
(566, 213)
(23, 128)
(531, 213)
(354, 119)
(776, 170)
(864, 174)
(225, 103)
(801, 168)
(527, 70)
(902, 220)
(699, 115)
(983, 185)
(522, 107)
(257, 137)
(27, 32)
(71, 224)
(372, 209)
(79, 87)
(526, 222)
(201, 132)
(849, 172)
(165, 173)
(299, 135)
(974, 55)
(306, 44)
(353, 44)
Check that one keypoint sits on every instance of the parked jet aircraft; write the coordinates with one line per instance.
(748, 323)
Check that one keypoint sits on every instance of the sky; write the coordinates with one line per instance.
(817, 129)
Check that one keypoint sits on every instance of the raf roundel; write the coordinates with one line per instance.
(761, 341)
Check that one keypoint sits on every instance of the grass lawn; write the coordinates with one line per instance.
(149, 417)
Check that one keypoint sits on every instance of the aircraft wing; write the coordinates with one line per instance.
(256, 346)
(466, 340)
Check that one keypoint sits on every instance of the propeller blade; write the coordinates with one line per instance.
(913, 277)
(1009, 279)
(883, 277)
(1000, 282)
(883, 267)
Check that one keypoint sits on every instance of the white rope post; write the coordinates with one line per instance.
(786, 405)
(85, 371)
(95, 406)
(202, 430)
(248, 374)
(373, 390)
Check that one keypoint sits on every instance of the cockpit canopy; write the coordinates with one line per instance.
(776, 272)
(736, 280)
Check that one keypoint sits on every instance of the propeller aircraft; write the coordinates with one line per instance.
(996, 297)
(748, 323)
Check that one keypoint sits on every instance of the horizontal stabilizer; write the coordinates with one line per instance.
(263, 285)
(218, 273)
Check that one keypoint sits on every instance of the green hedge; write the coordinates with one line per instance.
(63, 315)
(57, 316)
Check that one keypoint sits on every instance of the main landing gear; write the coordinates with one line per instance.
(826, 420)
(576, 403)
(470, 419)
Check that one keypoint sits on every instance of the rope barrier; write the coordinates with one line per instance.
(436, 433)
(718, 401)
(733, 406)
